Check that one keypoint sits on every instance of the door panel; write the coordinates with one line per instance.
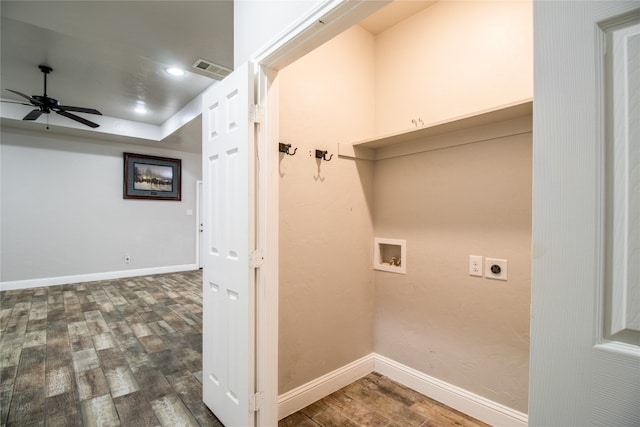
(623, 177)
(582, 370)
(228, 280)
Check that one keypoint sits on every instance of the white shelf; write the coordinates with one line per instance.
(502, 121)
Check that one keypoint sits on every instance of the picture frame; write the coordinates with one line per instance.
(152, 177)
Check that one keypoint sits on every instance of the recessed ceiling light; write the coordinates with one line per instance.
(140, 109)
(174, 71)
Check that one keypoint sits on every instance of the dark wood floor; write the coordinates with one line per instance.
(110, 353)
(128, 352)
(377, 401)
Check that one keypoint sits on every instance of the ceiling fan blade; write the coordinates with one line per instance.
(79, 109)
(16, 102)
(77, 118)
(31, 100)
(33, 115)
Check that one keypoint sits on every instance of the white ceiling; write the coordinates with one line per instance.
(111, 55)
(393, 13)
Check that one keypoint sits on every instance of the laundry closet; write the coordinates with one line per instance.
(426, 127)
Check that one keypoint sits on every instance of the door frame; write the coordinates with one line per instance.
(321, 23)
(198, 223)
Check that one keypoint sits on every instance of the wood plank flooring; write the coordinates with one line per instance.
(111, 353)
(128, 352)
(377, 401)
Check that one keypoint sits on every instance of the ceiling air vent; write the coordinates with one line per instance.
(210, 69)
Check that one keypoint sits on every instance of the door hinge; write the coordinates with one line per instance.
(255, 402)
(256, 258)
(256, 113)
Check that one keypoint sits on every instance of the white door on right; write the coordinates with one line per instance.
(585, 314)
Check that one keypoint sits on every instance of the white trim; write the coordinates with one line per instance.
(92, 277)
(306, 394)
(268, 210)
(198, 222)
(320, 24)
(455, 397)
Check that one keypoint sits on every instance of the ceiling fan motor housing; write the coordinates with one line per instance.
(45, 69)
(47, 103)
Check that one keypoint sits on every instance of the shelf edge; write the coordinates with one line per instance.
(370, 149)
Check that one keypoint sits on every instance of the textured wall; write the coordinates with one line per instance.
(326, 234)
(448, 204)
(449, 60)
(63, 213)
(454, 58)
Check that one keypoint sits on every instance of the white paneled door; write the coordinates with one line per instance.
(585, 316)
(228, 152)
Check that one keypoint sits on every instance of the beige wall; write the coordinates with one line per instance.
(448, 204)
(326, 227)
(452, 59)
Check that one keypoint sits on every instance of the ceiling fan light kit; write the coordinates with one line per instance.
(45, 105)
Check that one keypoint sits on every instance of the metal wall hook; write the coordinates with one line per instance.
(322, 154)
(286, 149)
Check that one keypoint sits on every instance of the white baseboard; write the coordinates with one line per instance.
(455, 397)
(462, 400)
(306, 394)
(92, 277)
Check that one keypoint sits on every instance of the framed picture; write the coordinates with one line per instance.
(151, 177)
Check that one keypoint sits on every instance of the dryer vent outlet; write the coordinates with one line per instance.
(495, 268)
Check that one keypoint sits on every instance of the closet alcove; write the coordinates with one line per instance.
(430, 120)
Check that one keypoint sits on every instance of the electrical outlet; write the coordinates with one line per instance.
(127, 259)
(496, 268)
(475, 265)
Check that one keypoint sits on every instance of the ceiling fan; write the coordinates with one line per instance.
(45, 105)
